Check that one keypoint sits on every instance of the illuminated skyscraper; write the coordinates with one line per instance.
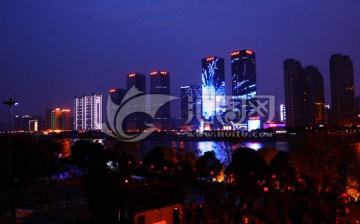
(116, 96)
(136, 121)
(213, 91)
(316, 101)
(160, 84)
(136, 79)
(60, 119)
(65, 119)
(296, 94)
(191, 105)
(243, 74)
(33, 125)
(56, 119)
(88, 112)
(342, 90)
(243, 83)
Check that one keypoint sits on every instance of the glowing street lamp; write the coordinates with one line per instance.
(10, 103)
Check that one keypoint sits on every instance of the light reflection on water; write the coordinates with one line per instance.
(202, 146)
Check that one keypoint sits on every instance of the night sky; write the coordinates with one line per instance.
(52, 50)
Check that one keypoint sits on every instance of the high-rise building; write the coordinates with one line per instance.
(213, 91)
(88, 112)
(136, 121)
(33, 125)
(357, 108)
(282, 113)
(56, 119)
(243, 74)
(65, 122)
(316, 100)
(160, 84)
(116, 96)
(342, 90)
(191, 105)
(25, 122)
(40, 122)
(47, 125)
(328, 114)
(60, 119)
(136, 79)
(21, 123)
(243, 83)
(296, 94)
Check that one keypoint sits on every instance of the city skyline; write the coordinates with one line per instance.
(51, 52)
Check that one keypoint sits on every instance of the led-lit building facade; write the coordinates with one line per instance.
(56, 119)
(136, 121)
(296, 94)
(316, 100)
(88, 112)
(243, 74)
(243, 83)
(342, 90)
(65, 119)
(191, 105)
(160, 84)
(213, 91)
(60, 119)
(33, 125)
(282, 113)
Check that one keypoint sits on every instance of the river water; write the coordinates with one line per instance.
(140, 149)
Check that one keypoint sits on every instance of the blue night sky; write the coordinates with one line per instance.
(52, 50)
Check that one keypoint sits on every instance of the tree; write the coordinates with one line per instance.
(283, 171)
(208, 165)
(249, 169)
(23, 157)
(268, 154)
(161, 157)
(324, 163)
(226, 150)
(106, 184)
(83, 152)
(186, 164)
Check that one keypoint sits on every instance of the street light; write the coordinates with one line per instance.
(58, 164)
(10, 103)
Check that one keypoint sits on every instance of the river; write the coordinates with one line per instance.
(140, 149)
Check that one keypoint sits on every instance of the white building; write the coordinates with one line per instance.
(282, 113)
(88, 112)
